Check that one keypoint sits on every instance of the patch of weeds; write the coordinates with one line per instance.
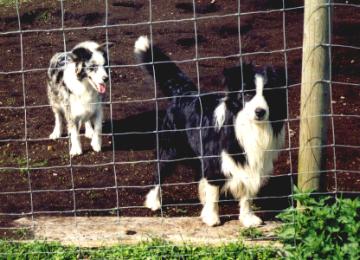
(93, 195)
(10, 101)
(12, 3)
(20, 162)
(180, 210)
(22, 233)
(251, 232)
(44, 16)
(65, 157)
(321, 228)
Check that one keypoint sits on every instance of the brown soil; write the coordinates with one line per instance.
(115, 181)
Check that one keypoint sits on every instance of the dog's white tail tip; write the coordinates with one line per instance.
(142, 44)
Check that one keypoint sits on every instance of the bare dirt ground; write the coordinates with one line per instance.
(115, 181)
(110, 231)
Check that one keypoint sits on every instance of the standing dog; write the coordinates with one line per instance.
(76, 82)
(241, 132)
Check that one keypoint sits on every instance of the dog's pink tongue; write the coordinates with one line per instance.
(102, 88)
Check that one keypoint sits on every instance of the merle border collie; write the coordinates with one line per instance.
(241, 132)
(76, 82)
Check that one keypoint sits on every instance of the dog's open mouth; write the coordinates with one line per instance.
(101, 88)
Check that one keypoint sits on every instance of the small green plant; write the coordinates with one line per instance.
(251, 232)
(20, 162)
(45, 16)
(180, 210)
(10, 101)
(320, 229)
(22, 233)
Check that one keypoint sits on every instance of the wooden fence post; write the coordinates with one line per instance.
(314, 93)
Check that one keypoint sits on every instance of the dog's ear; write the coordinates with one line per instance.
(78, 65)
(235, 77)
(81, 54)
(104, 46)
(78, 68)
(276, 75)
(232, 78)
(71, 56)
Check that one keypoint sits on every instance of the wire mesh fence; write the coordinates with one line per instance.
(39, 178)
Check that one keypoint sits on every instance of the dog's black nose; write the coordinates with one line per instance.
(260, 112)
(106, 79)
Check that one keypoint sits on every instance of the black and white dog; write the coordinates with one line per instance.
(241, 132)
(76, 82)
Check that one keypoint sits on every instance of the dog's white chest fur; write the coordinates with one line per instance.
(83, 99)
(84, 106)
(260, 146)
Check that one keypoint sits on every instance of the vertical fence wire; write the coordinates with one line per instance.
(332, 124)
(111, 110)
(25, 114)
(200, 127)
(287, 123)
(156, 110)
(69, 139)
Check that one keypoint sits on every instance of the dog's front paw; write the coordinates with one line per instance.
(55, 134)
(210, 217)
(96, 143)
(75, 150)
(250, 220)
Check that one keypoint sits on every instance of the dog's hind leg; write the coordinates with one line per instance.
(153, 200)
(168, 144)
(56, 133)
(96, 138)
(209, 197)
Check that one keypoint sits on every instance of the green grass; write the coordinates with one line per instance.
(156, 249)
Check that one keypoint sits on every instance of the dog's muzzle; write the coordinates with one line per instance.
(260, 113)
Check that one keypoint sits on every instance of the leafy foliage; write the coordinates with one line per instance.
(320, 229)
(156, 249)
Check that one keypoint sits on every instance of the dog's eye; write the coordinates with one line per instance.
(248, 96)
(93, 67)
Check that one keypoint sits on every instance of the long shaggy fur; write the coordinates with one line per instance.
(76, 82)
(241, 132)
